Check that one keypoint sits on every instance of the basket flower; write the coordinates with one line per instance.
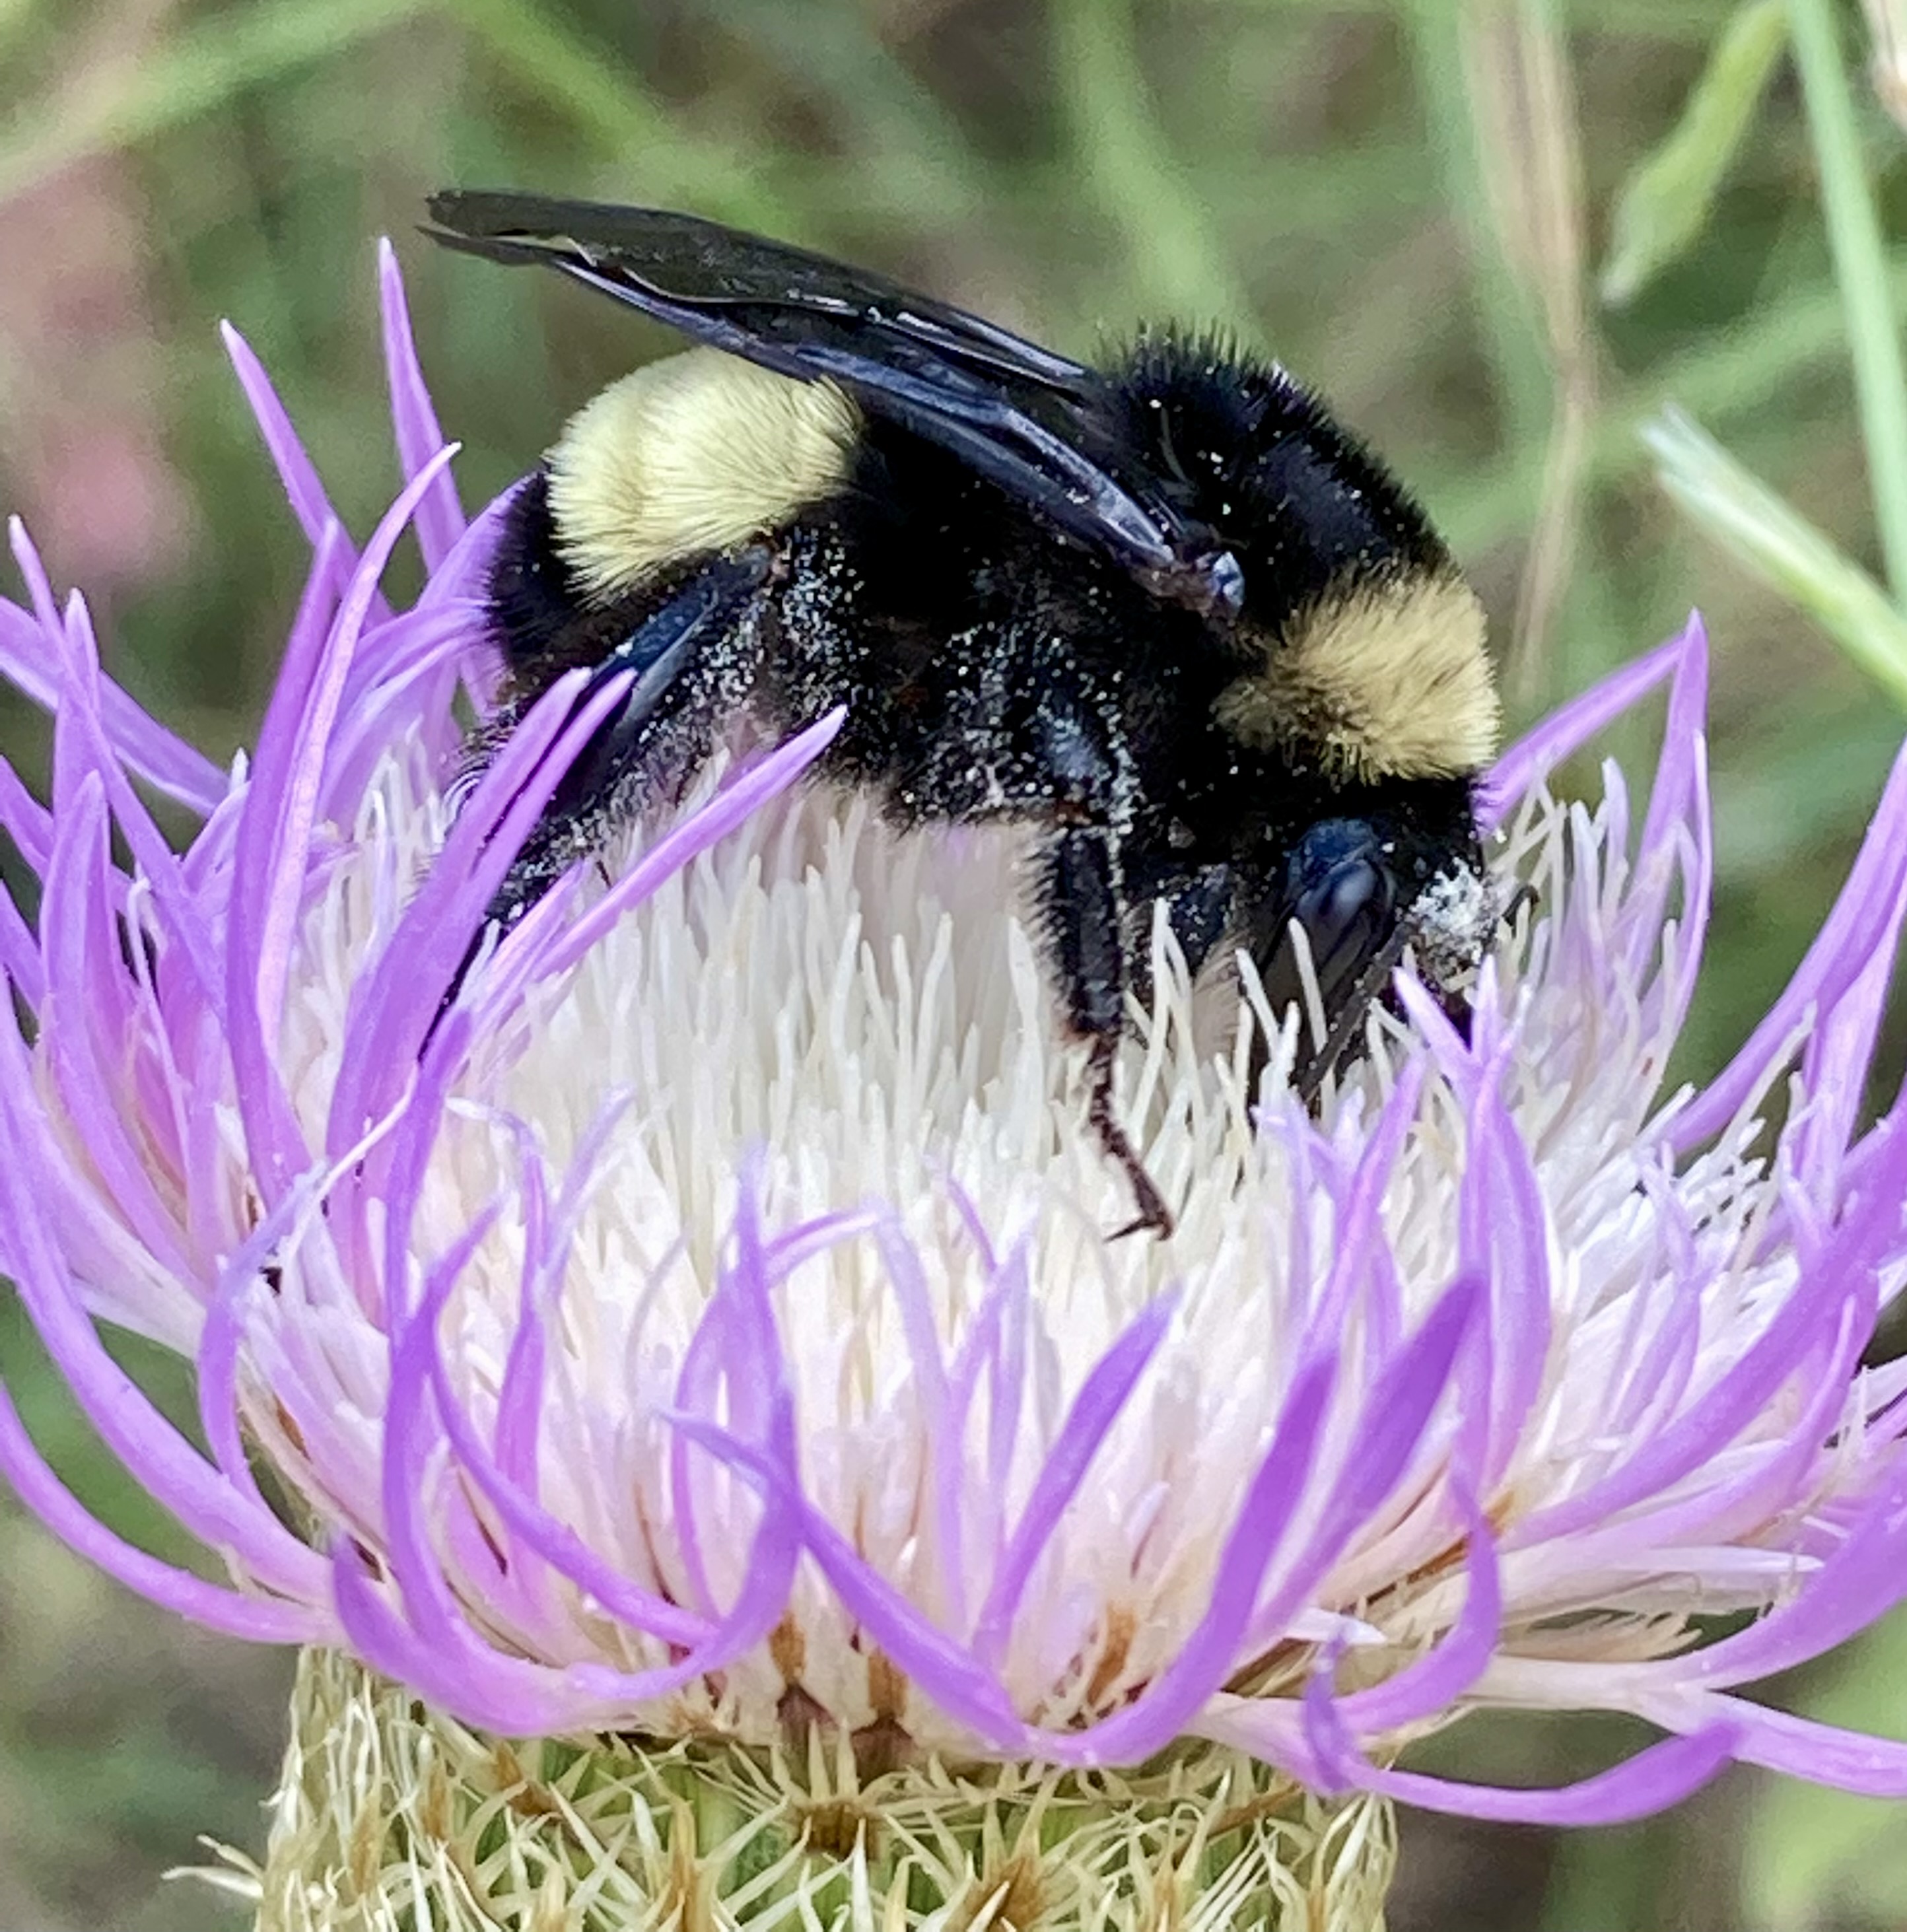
(674, 1381)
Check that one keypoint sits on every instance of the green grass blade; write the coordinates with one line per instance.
(1853, 232)
(1666, 203)
(1781, 547)
(1177, 263)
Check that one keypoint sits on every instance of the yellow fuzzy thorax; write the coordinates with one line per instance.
(1386, 680)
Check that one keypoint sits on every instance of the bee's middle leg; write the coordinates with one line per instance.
(1085, 928)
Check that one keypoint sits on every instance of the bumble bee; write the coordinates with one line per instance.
(1167, 614)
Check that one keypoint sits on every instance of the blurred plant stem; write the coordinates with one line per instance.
(198, 71)
(608, 104)
(1511, 64)
(1728, 374)
(1782, 547)
(1176, 260)
(1666, 202)
(1854, 232)
(1886, 63)
(1505, 318)
(864, 92)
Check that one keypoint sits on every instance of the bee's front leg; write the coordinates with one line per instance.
(1085, 929)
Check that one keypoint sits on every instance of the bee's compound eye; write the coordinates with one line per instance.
(1339, 890)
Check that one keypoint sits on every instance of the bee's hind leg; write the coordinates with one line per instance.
(687, 659)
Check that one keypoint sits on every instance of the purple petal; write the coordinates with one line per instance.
(177, 909)
(420, 655)
(1681, 779)
(268, 889)
(1210, 1654)
(220, 1343)
(561, 1547)
(519, 1399)
(464, 577)
(1438, 1680)
(467, 1674)
(1654, 1779)
(1504, 1241)
(440, 516)
(508, 1478)
(298, 812)
(261, 1619)
(732, 806)
(944, 1670)
(519, 1703)
(1405, 1393)
(945, 1450)
(125, 1418)
(995, 1346)
(1802, 1748)
(397, 998)
(1865, 919)
(1863, 1578)
(1564, 732)
(1100, 1402)
(26, 821)
(1838, 1275)
(1358, 1235)
(165, 761)
(21, 965)
(296, 471)
(715, 1372)
(1834, 1066)
(81, 944)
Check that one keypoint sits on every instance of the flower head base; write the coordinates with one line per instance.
(703, 1328)
(634, 1834)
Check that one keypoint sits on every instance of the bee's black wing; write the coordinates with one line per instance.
(1044, 428)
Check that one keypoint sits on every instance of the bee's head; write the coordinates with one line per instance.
(1355, 893)
(1352, 676)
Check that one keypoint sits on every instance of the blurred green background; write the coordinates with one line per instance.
(1501, 235)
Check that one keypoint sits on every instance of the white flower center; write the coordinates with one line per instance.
(869, 1010)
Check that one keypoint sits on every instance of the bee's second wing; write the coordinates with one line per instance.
(1042, 427)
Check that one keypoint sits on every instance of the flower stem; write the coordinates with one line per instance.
(1854, 231)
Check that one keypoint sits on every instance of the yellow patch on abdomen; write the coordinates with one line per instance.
(1389, 680)
(697, 452)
